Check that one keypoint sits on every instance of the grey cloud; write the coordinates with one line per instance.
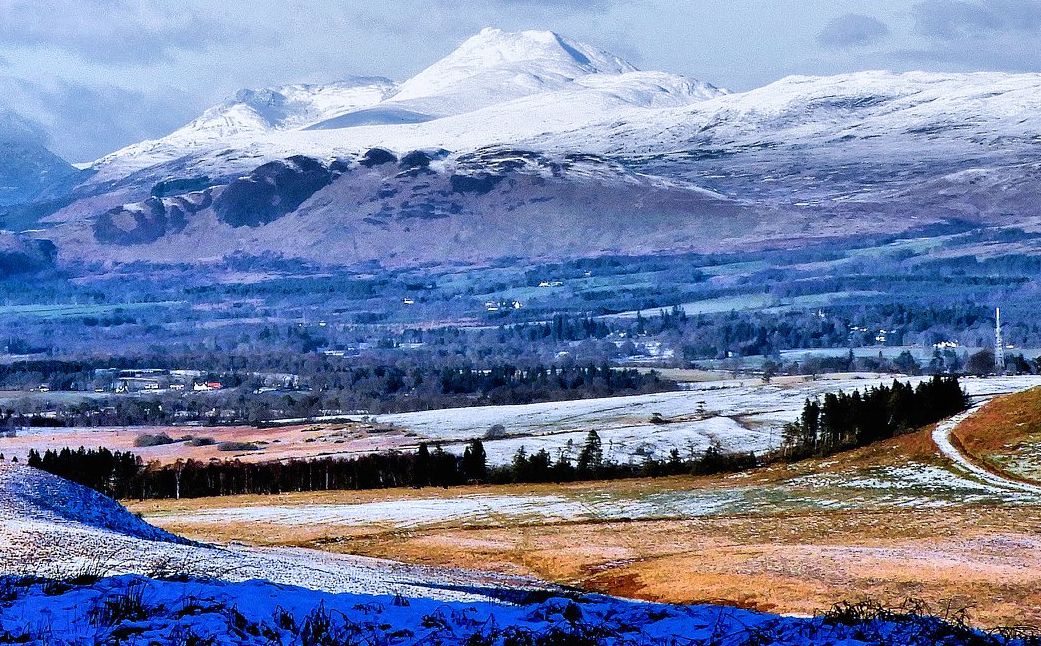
(17, 129)
(852, 30)
(115, 32)
(571, 5)
(952, 19)
(89, 121)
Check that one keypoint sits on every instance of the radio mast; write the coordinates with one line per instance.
(999, 344)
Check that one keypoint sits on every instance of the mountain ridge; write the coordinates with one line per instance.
(549, 147)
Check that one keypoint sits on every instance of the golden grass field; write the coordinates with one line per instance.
(983, 556)
(1005, 435)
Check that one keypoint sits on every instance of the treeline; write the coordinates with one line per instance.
(124, 475)
(116, 474)
(843, 421)
(344, 387)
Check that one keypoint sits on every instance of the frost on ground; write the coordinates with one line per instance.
(737, 415)
(55, 528)
(137, 610)
(910, 485)
(77, 568)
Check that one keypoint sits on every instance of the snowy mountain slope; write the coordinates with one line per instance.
(570, 85)
(494, 67)
(251, 115)
(985, 109)
(516, 62)
(539, 146)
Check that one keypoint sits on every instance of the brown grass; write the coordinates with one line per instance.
(987, 557)
(282, 443)
(797, 563)
(1002, 426)
(1002, 421)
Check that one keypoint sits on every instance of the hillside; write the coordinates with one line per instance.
(1005, 436)
(530, 145)
(58, 529)
(28, 170)
(76, 568)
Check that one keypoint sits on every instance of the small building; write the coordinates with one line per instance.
(136, 384)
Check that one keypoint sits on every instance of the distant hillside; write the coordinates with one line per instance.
(532, 146)
(28, 170)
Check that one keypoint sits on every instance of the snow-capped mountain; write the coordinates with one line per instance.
(497, 87)
(531, 144)
(978, 109)
(496, 66)
(254, 114)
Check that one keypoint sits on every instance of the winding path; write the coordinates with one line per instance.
(942, 439)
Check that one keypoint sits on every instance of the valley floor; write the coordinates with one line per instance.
(737, 415)
(893, 521)
(890, 522)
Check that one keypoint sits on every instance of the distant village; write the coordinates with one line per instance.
(161, 380)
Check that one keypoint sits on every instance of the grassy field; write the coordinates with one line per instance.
(889, 522)
(1005, 435)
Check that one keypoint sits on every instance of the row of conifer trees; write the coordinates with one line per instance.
(124, 475)
(841, 421)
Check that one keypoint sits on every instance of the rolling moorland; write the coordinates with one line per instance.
(604, 301)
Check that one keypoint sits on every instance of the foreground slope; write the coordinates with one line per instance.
(55, 528)
(69, 557)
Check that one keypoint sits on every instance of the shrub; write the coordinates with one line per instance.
(237, 446)
(127, 605)
(498, 431)
(147, 439)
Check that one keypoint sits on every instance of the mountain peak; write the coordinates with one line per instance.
(495, 47)
(513, 63)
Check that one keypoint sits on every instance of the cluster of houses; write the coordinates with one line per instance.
(497, 306)
(153, 380)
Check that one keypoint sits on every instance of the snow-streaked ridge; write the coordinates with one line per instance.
(531, 81)
(255, 113)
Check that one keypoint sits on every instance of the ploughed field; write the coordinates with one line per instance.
(892, 521)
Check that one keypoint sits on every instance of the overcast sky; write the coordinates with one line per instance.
(98, 74)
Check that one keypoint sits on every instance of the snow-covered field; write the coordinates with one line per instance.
(55, 528)
(736, 415)
(915, 485)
